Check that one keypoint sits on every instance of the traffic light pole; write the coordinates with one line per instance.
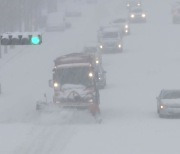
(0, 52)
(5, 49)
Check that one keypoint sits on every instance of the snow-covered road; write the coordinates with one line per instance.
(148, 64)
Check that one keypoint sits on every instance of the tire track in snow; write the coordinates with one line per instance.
(47, 139)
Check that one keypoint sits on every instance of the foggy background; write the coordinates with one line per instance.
(150, 62)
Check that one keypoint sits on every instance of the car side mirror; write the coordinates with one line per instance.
(96, 76)
(51, 83)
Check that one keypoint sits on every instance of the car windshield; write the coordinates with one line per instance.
(170, 95)
(110, 35)
(137, 11)
(74, 75)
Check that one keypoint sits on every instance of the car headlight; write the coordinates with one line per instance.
(101, 46)
(128, 5)
(143, 15)
(162, 106)
(90, 74)
(90, 100)
(132, 15)
(126, 31)
(126, 26)
(139, 4)
(97, 61)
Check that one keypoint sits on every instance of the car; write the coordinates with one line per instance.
(137, 15)
(110, 39)
(73, 11)
(123, 23)
(133, 3)
(168, 103)
(176, 14)
(101, 81)
(93, 50)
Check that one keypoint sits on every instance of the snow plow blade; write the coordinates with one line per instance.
(49, 107)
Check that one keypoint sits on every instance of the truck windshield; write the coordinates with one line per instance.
(74, 75)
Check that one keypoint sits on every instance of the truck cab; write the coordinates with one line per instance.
(74, 82)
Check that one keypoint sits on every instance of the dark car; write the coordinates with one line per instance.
(101, 81)
(93, 50)
(123, 23)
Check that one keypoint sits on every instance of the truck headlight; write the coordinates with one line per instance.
(143, 15)
(132, 15)
(56, 85)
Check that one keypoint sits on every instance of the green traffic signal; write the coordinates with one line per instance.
(35, 40)
(21, 38)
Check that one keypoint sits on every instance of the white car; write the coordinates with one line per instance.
(168, 103)
(137, 15)
(110, 39)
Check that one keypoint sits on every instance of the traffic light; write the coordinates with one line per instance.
(20, 38)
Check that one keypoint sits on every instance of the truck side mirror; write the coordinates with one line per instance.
(50, 83)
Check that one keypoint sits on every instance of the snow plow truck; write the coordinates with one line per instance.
(74, 84)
